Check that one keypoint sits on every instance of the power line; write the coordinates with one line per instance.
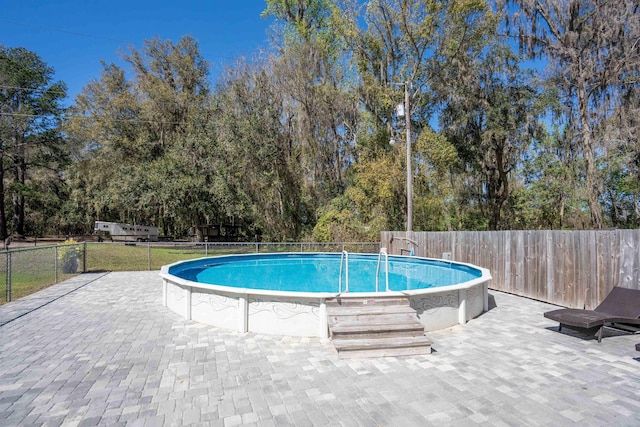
(111, 119)
(51, 90)
(75, 33)
(95, 36)
(25, 115)
(34, 89)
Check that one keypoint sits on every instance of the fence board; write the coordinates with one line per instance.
(568, 268)
(549, 279)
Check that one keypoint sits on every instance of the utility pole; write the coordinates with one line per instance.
(407, 115)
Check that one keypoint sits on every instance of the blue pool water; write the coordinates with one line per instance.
(320, 272)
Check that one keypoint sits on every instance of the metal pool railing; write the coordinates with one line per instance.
(383, 253)
(344, 259)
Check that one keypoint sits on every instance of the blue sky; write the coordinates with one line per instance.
(72, 36)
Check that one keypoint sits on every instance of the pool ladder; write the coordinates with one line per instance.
(344, 266)
(343, 258)
(383, 252)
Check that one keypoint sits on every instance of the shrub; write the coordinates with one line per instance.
(69, 255)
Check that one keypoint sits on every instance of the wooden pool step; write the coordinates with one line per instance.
(383, 330)
(371, 315)
(375, 327)
(382, 347)
(359, 302)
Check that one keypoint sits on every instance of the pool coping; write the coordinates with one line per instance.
(164, 272)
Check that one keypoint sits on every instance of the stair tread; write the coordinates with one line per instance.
(384, 352)
(346, 302)
(379, 343)
(364, 319)
(370, 309)
(366, 326)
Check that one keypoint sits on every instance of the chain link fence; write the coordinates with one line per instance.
(28, 270)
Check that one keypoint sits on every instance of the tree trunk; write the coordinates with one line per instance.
(20, 172)
(197, 229)
(18, 214)
(3, 216)
(561, 212)
(591, 173)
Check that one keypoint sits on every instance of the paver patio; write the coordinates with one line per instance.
(100, 349)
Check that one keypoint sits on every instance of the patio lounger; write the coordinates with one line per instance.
(622, 305)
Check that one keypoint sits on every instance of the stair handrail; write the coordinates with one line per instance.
(383, 251)
(410, 250)
(344, 257)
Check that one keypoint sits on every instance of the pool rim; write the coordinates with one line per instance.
(485, 277)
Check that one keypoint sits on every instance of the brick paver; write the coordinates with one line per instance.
(102, 350)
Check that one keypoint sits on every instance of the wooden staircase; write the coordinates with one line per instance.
(375, 327)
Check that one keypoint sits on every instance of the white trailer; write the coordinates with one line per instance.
(126, 232)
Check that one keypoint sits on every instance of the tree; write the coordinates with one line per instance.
(308, 19)
(319, 108)
(369, 204)
(148, 154)
(491, 122)
(264, 181)
(31, 110)
(546, 196)
(593, 49)
(395, 42)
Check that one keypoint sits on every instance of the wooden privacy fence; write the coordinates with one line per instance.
(568, 268)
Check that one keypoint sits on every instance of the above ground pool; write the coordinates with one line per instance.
(285, 293)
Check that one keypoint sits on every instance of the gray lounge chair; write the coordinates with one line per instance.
(621, 306)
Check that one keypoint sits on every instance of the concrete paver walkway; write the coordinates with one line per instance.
(108, 353)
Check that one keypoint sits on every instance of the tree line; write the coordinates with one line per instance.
(523, 114)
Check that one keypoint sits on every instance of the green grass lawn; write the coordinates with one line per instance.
(111, 257)
(31, 271)
(34, 269)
